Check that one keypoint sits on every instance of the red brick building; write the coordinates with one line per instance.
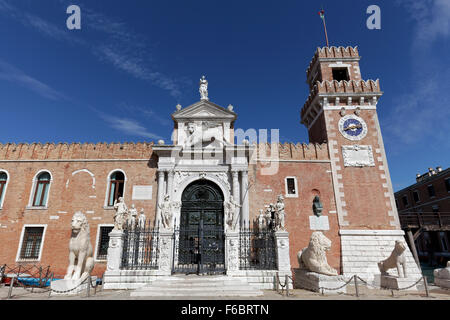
(42, 185)
(424, 207)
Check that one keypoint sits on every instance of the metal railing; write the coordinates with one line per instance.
(140, 247)
(418, 220)
(285, 286)
(257, 249)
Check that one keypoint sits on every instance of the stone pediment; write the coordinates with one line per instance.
(204, 110)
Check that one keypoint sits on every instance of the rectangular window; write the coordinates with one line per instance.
(291, 187)
(416, 196)
(431, 191)
(31, 243)
(340, 74)
(405, 200)
(447, 184)
(103, 242)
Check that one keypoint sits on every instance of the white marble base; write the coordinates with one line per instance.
(314, 281)
(442, 277)
(65, 285)
(443, 283)
(396, 283)
(319, 223)
(363, 249)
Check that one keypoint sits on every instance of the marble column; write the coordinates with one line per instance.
(236, 196)
(159, 200)
(170, 176)
(245, 216)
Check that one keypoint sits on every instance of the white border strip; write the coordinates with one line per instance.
(371, 232)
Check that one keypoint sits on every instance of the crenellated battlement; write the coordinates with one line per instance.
(66, 151)
(346, 88)
(332, 53)
(292, 151)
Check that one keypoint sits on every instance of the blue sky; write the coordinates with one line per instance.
(119, 78)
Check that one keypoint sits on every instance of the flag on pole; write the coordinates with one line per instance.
(322, 14)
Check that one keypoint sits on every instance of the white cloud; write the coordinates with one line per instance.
(129, 126)
(145, 112)
(422, 114)
(12, 74)
(125, 50)
(432, 18)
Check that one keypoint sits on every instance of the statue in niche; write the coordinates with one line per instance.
(280, 214)
(132, 215)
(203, 88)
(120, 217)
(141, 219)
(317, 206)
(166, 212)
(231, 213)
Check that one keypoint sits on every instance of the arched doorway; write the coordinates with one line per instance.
(200, 238)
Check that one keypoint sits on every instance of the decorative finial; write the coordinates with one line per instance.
(230, 107)
(203, 88)
(178, 106)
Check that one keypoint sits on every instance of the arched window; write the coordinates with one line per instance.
(116, 184)
(41, 189)
(3, 182)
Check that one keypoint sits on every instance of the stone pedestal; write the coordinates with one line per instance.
(282, 243)
(115, 249)
(61, 286)
(165, 252)
(232, 252)
(314, 281)
(395, 283)
(442, 277)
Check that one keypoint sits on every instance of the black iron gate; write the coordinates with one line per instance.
(199, 250)
(199, 245)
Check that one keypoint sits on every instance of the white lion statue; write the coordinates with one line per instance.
(313, 258)
(81, 260)
(395, 260)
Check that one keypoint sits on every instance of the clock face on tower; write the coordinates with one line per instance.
(352, 127)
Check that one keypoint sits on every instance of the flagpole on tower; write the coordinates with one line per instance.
(322, 16)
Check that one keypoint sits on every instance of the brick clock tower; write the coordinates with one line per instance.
(341, 110)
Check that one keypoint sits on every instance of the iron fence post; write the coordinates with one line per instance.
(277, 282)
(355, 277)
(89, 286)
(286, 283)
(11, 284)
(425, 282)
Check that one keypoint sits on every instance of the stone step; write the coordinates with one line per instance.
(200, 283)
(188, 293)
(198, 286)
